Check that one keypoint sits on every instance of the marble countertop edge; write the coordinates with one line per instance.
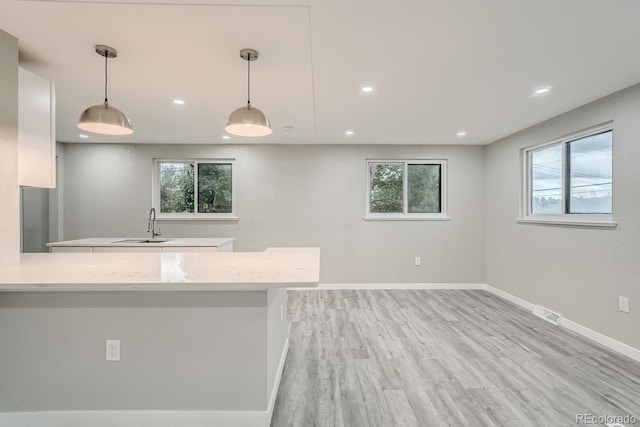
(273, 268)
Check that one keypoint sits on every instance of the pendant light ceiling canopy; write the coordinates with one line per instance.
(104, 118)
(248, 120)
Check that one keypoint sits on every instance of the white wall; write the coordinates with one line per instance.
(9, 192)
(578, 272)
(290, 195)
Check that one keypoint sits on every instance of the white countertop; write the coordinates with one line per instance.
(273, 268)
(116, 241)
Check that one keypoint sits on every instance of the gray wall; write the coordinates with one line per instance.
(292, 195)
(578, 272)
(34, 218)
(179, 350)
(56, 202)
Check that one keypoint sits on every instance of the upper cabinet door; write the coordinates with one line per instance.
(36, 131)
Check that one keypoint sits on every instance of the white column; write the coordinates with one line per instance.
(9, 189)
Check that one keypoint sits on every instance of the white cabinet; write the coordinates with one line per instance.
(36, 131)
(71, 249)
(141, 248)
(112, 249)
(224, 247)
(182, 249)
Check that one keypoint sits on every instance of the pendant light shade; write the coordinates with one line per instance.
(104, 118)
(248, 120)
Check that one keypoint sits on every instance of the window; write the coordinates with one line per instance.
(406, 189)
(194, 189)
(571, 179)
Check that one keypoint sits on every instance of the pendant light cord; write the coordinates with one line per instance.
(106, 75)
(249, 79)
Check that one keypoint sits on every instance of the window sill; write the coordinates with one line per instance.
(406, 218)
(197, 218)
(596, 223)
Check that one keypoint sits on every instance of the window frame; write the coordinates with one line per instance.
(155, 196)
(565, 218)
(405, 215)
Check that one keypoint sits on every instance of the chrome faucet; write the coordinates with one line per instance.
(151, 224)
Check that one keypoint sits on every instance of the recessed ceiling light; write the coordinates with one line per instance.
(226, 137)
(82, 135)
(178, 101)
(542, 91)
(367, 89)
(349, 132)
(461, 133)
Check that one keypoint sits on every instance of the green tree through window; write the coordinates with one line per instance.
(386, 182)
(214, 188)
(195, 187)
(176, 187)
(405, 187)
(423, 188)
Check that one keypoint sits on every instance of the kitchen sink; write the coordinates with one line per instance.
(156, 240)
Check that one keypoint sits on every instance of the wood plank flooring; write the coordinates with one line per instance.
(441, 358)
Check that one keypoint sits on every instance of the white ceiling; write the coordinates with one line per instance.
(437, 67)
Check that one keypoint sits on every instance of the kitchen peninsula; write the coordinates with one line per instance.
(142, 244)
(203, 336)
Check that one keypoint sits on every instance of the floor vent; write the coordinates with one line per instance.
(546, 314)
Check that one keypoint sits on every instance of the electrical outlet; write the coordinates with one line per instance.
(623, 304)
(113, 350)
(417, 260)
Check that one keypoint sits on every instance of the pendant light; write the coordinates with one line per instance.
(248, 121)
(104, 118)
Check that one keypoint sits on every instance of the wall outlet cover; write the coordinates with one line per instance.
(623, 304)
(113, 351)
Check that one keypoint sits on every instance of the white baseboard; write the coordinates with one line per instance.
(606, 341)
(602, 339)
(383, 286)
(149, 418)
(133, 418)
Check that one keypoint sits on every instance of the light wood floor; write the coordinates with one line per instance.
(441, 358)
